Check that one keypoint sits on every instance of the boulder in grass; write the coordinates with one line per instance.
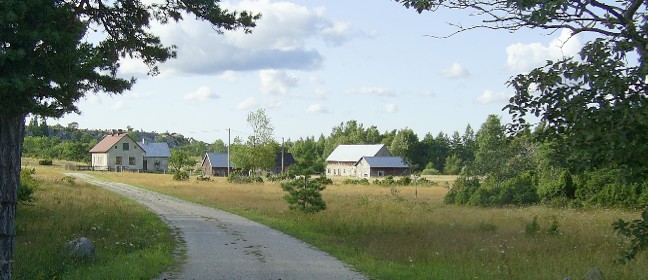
(594, 274)
(80, 248)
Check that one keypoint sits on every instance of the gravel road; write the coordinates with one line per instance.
(220, 245)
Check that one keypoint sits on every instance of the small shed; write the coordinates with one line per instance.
(215, 164)
(283, 162)
(368, 167)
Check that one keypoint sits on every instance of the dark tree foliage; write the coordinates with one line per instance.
(46, 66)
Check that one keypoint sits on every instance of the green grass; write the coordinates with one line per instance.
(130, 241)
(404, 236)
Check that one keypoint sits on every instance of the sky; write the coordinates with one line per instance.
(314, 64)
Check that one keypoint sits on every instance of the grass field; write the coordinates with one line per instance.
(392, 234)
(131, 242)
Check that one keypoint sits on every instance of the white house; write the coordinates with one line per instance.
(342, 161)
(118, 152)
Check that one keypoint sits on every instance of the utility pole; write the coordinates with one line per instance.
(228, 152)
(282, 155)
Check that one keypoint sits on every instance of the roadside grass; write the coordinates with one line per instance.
(130, 241)
(397, 235)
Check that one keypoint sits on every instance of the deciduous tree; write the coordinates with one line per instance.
(46, 66)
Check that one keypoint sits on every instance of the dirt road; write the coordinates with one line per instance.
(221, 245)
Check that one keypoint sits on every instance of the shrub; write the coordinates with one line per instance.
(240, 179)
(404, 181)
(362, 181)
(27, 185)
(202, 178)
(181, 175)
(611, 187)
(46, 161)
(637, 233)
(465, 187)
(519, 190)
(327, 181)
(430, 171)
(533, 227)
(280, 177)
(68, 180)
(555, 184)
(450, 197)
(304, 195)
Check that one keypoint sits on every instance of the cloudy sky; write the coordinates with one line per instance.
(314, 64)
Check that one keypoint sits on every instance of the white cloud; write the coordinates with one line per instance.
(93, 99)
(455, 71)
(279, 41)
(489, 96)
(229, 76)
(377, 91)
(201, 94)
(524, 57)
(118, 106)
(277, 82)
(247, 104)
(317, 109)
(391, 108)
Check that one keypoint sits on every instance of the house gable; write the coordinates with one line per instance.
(117, 151)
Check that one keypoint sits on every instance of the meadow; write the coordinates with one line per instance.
(130, 241)
(409, 233)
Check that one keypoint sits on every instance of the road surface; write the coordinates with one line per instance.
(220, 245)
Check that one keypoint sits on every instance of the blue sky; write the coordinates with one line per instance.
(314, 64)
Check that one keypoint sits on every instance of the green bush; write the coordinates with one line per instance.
(362, 181)
(237, 178)
(611, 188)
(280, 177)
(404, 181)
(637, 233)
(430, 171)
(520, 190)
(27, 185)
(450, 197)
(327, 181)
(45, 162)
(465, 187)
(304, 195)
(555, 184)
(181, 175)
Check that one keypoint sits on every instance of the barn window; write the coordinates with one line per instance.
(157, 163)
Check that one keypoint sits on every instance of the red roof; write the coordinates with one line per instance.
(107, 143)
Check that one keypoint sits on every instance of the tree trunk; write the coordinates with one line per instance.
(11, 139)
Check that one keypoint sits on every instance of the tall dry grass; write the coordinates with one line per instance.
(130, 241)
(394, 234)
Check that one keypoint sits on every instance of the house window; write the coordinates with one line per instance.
(131, 160)
(118, 160)
(157, 164)
(126, 147)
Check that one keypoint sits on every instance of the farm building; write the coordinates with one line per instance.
(283, 162)
(342, 161)
(368, 167)
(215, 164)
(118, 152)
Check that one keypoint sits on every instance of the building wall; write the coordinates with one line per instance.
(118, 150)
(340, 169)
(100, 161)
(160, 164)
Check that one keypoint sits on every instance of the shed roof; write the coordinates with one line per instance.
(217, 159)
(288, 159)
(156, 149)
(352, 153)
(108, 142)
(391, 162)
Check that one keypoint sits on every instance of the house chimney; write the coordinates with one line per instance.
(143, 140)
(119, 131)
(114, 132)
